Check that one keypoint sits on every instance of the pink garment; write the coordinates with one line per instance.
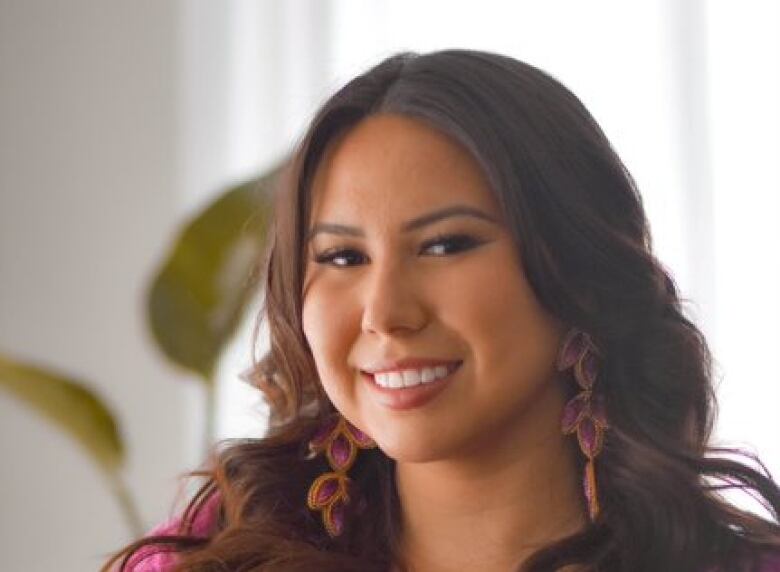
(770, 562)
(158, 559)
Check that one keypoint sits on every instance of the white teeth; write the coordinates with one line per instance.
(411, 377)
(395, 379)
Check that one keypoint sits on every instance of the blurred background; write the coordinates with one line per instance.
(120, 122)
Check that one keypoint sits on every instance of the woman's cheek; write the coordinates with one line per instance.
(314, 321)
(326, 332)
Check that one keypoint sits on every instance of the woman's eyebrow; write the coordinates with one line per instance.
(408, 226)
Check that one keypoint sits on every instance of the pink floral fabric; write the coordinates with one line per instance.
(159, 559)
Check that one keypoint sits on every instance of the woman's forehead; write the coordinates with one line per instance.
(392, 163)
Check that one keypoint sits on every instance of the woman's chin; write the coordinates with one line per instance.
(401, 450)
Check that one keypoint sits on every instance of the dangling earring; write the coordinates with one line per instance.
(330, 491)
(585, 413)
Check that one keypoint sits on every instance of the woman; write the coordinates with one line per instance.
(476, 361)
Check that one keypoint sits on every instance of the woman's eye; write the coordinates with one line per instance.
(329, 257)
(451, 244)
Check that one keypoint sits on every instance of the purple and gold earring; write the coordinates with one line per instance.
(585, 413)
(330, 491)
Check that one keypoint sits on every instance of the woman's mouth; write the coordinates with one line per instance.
(410, 388)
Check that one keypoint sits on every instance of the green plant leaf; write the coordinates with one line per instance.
(70, 405)
(198, 296)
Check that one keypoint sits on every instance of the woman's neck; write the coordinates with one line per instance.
(491, 508)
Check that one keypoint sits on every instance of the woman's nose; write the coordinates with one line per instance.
(392, 301)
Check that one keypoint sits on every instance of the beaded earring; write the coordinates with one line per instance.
(585, 413)
(330, 491)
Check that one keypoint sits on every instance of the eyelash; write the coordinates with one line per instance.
(463, 241)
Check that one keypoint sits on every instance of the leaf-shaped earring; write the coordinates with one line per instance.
(585, 413)
(330, 491)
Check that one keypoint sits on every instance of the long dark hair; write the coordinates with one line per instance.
(579, 223)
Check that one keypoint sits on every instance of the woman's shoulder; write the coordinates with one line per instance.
(156, 558)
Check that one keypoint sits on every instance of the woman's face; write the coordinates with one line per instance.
(380, 293)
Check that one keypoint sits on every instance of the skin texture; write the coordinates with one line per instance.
(483, 471)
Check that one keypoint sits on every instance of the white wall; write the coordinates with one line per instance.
(743, 84)
(89, 196)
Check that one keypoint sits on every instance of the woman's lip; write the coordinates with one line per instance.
(404, 398)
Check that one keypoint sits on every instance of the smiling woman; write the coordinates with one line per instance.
(476, 360)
